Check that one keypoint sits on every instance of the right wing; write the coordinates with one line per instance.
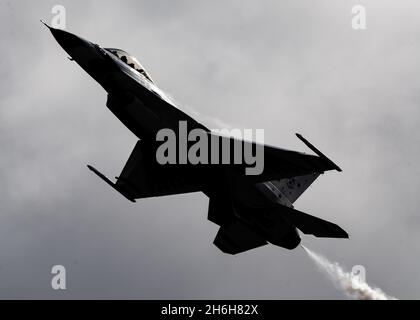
(277, 163)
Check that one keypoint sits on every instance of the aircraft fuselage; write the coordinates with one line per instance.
(145, 109)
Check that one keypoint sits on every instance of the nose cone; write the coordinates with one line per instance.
(68, 41)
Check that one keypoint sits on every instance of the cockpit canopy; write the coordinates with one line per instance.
(129, 60)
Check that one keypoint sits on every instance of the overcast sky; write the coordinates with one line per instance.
(285, 66)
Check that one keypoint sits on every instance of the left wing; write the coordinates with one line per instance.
(143, 177)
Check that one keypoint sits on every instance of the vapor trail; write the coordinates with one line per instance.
(351, 285)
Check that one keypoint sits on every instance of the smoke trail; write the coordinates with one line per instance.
(350, 284)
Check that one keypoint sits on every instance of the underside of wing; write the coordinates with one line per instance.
(286, 191)
(269, 163)
(293, 188)
(143, 177)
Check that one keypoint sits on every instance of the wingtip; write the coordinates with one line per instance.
(109, 182)
(319, 153)
(300, 137)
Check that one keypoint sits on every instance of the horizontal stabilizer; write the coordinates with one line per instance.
(312, 225)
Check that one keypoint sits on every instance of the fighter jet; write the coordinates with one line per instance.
(251, 210)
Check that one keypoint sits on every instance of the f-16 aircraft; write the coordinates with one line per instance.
(251, 210)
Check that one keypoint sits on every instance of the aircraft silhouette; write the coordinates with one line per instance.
(251, 210)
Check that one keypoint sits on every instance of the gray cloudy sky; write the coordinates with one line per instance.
(285, 66)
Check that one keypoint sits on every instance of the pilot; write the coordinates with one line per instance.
(124, 59)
